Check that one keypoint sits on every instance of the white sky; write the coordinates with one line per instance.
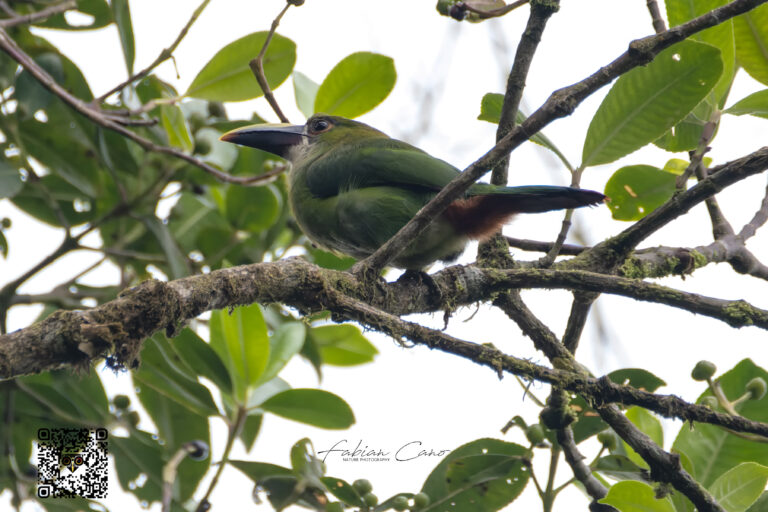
(417, 394)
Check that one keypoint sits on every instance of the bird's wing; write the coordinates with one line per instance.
(376, 163)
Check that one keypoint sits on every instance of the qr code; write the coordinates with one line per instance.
(72, 462)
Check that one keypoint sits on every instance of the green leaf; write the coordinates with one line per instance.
(486, 482)
(163, 370)
(175, 127)
(620, 467)
(242, 343)
(490, 107)
(490, 110)
(250, 430)
(10, 180)
(439, 488)
(29, 92)
(252, 208)
(312, 406)
(257, 471)
(306, 465)
(228, 76)
(761, 505)
(343, 345)
(356, 85)
(136, 455)
(637, 190)
(647, 101)
(713, 451)
(720, 36)
(649, 425)
(751, 31)
(738, 488)
(37, 198)
(122, 14)
(286, 342)
(177, 425)
(343, 491)
(330, 260)
(638, 378)
(177, 261)
(97, 9)
(202, 359)
(305, 90)
(631, 496)
(755, 104)
(686, 135)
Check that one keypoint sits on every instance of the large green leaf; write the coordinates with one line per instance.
(647, 101)
(10, 180)
(176, 425)
(755, 104)
(163, 369)
(177, 262)
(176, 128)
(719, 36)
(305, 91)
(313, 406)
(228, 76)
(441, 491)
(136, 455)
(121, 11)
(485, 483)
(751, 31)
(240, 339)
(202, 359)
(98, 10)
(343, 345)
(284, 343)
(638, 378)
(637, 190)
(252, 208)
(738, 488)
(356, 85)
(37, 198)
(714, 451)
(632, 496)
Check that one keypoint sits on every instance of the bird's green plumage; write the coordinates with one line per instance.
(352, 188)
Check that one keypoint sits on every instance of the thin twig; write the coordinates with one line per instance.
(758, 220)
(658, 22)
(166, 54)
(581, 471)
(257, 67)
(535, 245)
(38, 15)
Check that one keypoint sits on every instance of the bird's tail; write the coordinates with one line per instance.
(487, 208)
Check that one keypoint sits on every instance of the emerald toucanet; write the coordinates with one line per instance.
(352, 188)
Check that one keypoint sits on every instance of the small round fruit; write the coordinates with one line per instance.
(535, 434)
(362, 486)
(703, 370)
(757, 388)
(371, 499)
(421, 500)
(400, 503)
(709, 401)
(608, 439)
(121, 402)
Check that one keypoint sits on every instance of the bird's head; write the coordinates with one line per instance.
(321, 131)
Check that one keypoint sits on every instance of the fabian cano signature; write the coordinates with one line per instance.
(409, 451)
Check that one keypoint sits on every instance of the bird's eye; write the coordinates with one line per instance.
(320, 125)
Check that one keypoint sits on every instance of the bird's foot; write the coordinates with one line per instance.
(421, 277)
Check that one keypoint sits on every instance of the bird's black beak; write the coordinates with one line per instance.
(277, 139)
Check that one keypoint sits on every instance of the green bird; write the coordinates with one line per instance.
(351, 188)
